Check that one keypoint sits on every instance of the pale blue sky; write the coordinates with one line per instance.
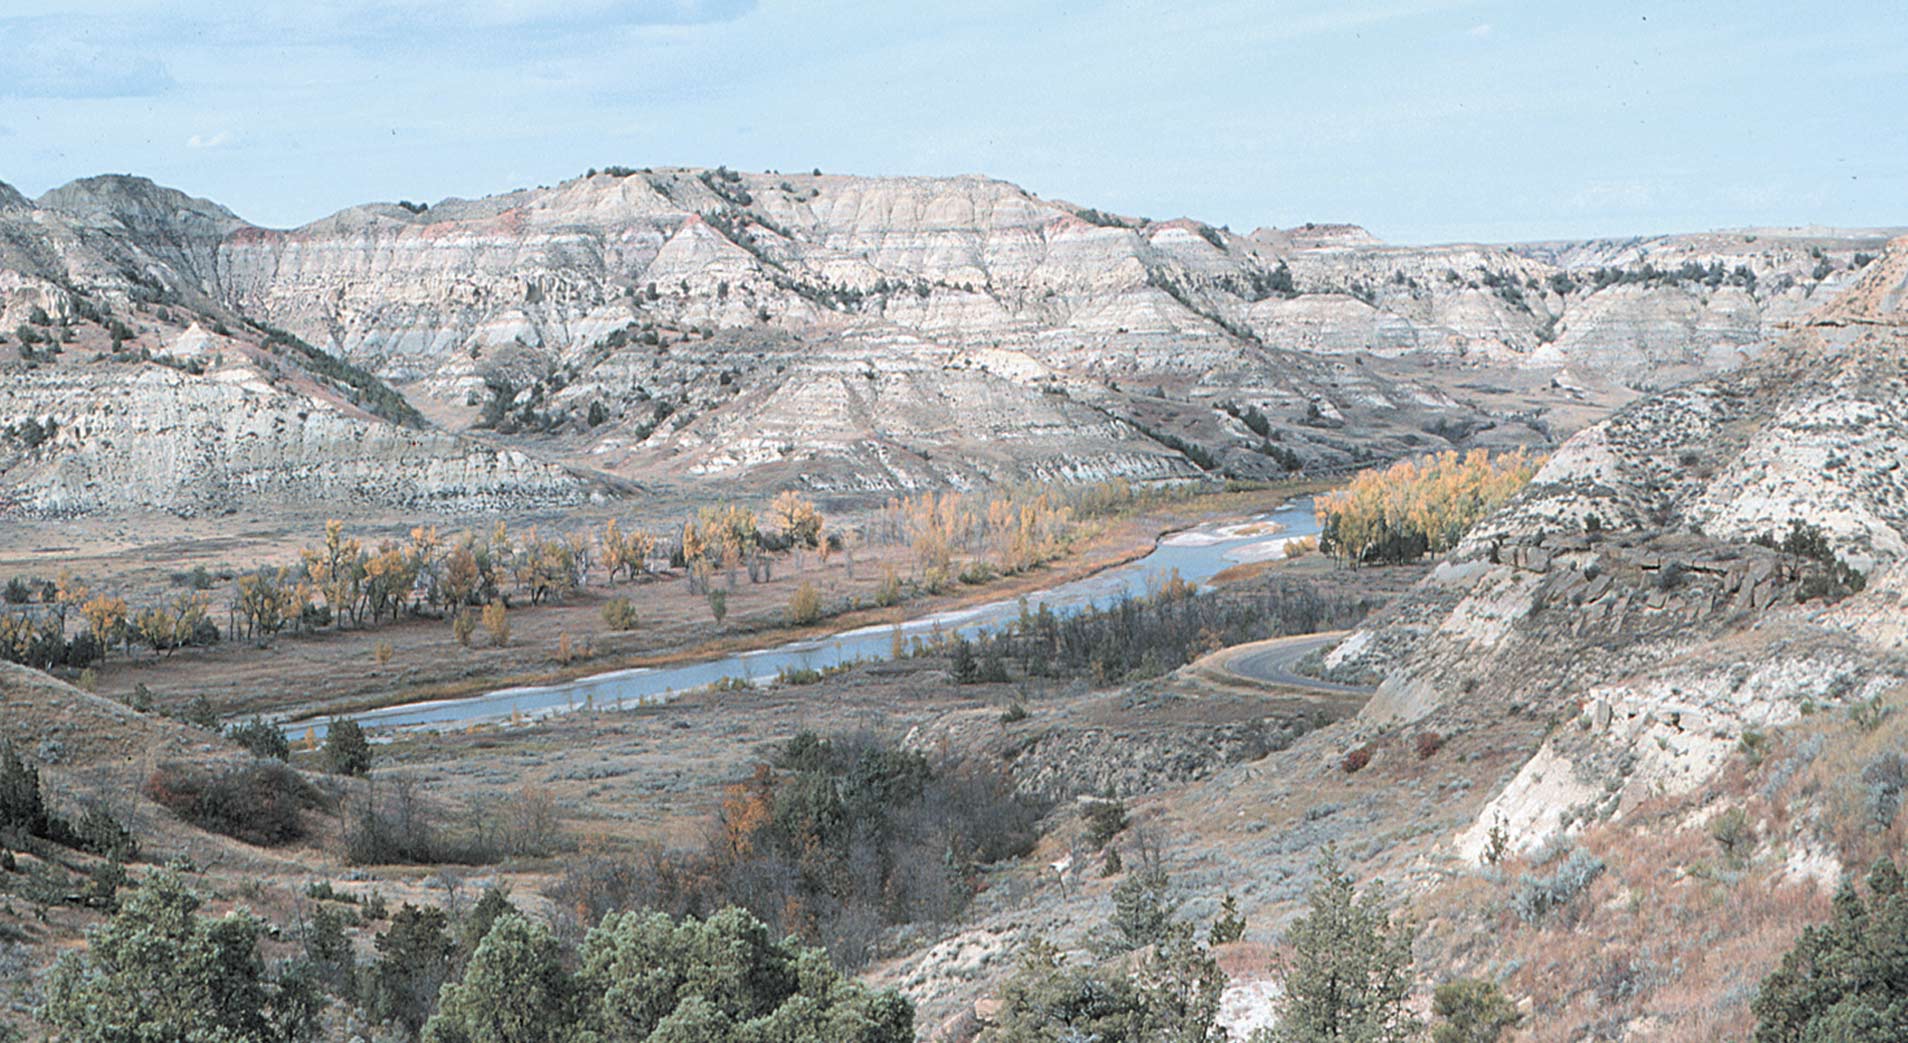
(1424, 120)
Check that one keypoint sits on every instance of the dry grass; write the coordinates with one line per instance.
(1672, 942)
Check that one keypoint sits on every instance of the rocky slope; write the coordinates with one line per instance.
(126, 387)
(1626, 583)
(1611, 674)
(873, 334)
(973, 262)
(151, 437)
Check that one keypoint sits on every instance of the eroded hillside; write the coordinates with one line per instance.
(1628, 738)
(858, 335)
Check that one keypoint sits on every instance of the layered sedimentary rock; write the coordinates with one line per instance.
(869, 334)
(973, 261)
(122, 437)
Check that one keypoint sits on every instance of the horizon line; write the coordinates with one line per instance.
(1833, 230)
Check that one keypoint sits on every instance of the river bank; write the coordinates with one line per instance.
(313, 676)
(1193, 554)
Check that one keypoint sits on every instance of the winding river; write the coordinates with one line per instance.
(1196, 554)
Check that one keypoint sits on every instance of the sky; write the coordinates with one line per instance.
(1423, 120)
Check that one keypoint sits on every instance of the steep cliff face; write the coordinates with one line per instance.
(568, 301)
(1645, 313)
(189, 445)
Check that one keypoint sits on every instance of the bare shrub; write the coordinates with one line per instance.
(529, 823)
(259, 803)
(388, 821)
(837, 841)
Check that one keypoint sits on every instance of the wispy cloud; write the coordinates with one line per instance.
(45, 61)
(1301, 22)
(619, 12)
(445, 23)
(1248, 111)
(1619, 195)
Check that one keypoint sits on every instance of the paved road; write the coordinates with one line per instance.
(1273, 662)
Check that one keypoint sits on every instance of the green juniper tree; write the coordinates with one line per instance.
(515, 990)
(347, 751)
(414, 959)
(260, 738)
(1471, 1011)
(1229, 926)
(1171, 997)
(649, 978)
(328, 952)
(22, 809)
(1349, 975)
(1846, 981)
(1143, 905)
(157, 972)
(493, 906)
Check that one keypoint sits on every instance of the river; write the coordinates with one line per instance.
(1197, 555)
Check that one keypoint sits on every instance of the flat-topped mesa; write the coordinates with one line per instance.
(1311, 236)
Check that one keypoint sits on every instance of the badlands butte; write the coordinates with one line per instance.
(1610, 749)
(672, 330)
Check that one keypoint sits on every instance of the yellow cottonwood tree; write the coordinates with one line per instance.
(1413, 507)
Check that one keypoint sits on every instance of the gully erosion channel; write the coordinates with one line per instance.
(1197, 554)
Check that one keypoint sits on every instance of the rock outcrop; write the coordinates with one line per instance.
(1645, 588)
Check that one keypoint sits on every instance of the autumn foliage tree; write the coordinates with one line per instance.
(1416, 507)
(626, 553)
(1010, 532)
(798, 519)
(266, 602)
(106, 619)
(805, 605)
(497, 623)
